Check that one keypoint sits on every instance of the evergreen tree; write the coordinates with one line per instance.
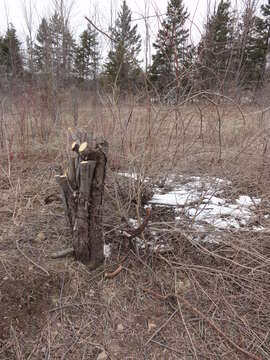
(173, 54)
(54, 47)
(216, 50)
(265, 10)
(87, 58)
(62, 49)
(42, 49)
(122, 67)
(254, 36)
(10, 53)
(3, 55)
(30, 54)
(254, 56)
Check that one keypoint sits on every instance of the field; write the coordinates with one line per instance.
(197, 283)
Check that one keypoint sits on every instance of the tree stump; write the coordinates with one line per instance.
(82, 187)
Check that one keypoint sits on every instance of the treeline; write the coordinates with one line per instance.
(231, 54)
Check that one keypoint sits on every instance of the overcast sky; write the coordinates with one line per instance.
(13, 11)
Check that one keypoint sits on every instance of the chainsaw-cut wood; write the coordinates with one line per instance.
(95, 231)
(87, 169)
(75, 146)
(84, 149)
(81, 243)
(82, 191)
(77, 170)
(68, 199)
(72, 173)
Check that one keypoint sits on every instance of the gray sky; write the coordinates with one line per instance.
(13, 11)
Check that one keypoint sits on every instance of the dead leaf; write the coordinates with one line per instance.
(120, 327)
(102, 356)
(151, 325)
(182, 286)
(41, 236)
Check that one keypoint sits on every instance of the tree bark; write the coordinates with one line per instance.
(82, 190)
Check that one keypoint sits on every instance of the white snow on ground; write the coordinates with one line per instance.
(173, 198)
(129, 175)
(201, 200)
(134, 176)
(133, 222)
(221, 216)
(107, 250)
(247, 201)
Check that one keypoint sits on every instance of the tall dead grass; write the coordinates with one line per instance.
(228, 282)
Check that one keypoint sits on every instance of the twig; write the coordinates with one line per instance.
(62, 253)
(134, 233)
(186, 328)
(166, 347)
(99, 30)
(16, 343)
(111, 275)
(30, 260)
(161, 327)
(220, 332)
(141, 228)
(68, 305)
(209, 322)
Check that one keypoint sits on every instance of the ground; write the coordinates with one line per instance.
(190, 299)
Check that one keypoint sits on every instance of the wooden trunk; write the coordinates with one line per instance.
(82, 188)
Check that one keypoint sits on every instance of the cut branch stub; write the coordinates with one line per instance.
(84, 150)
(75, 146)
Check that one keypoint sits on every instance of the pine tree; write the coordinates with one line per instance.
(42, 49)
(122, 67)
(168, 72)
(10, 53)
(54, 47)
(254, 55)
(62, 50)
(87, 58)
(254, 37)
(30, 54)
(216, 50)
(3, 55)
(265, 11)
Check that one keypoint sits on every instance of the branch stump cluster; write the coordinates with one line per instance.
(82, 188)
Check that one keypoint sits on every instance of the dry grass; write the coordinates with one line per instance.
(165, 306)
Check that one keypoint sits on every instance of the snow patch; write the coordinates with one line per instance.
(107, 250)
(246, 200)
(202, 201)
